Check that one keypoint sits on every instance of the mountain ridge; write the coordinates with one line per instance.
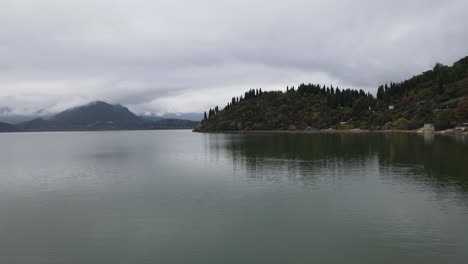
(5, 127)
(95, 116)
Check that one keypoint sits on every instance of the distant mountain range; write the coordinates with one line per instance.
(94, 116)
(4, 127)
(185, 116)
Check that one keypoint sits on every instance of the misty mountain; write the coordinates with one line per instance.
(180, 116)
(18, 118)
(100, 115)
(185, 116)
(174, 123)
(96, 115)
(151, 117)
(7, 116)
(4, 127)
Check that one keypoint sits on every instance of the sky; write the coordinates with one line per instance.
(187, 56)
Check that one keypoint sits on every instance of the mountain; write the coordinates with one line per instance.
(100, 115)
(151, 117)
(184, 116)
(16, 118)
(438, 96)
(96, 115)
(37, 124)
(174, 123)
(8, 115)
(4, 127)
(180, 116)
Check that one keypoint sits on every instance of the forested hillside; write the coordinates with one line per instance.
(438, 96)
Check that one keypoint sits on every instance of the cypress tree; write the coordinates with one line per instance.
(380, 93)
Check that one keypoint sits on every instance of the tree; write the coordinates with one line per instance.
(380, 93)
(443, 119)
(205, 117)
(462, 110)
(443, 76)
(401, 123)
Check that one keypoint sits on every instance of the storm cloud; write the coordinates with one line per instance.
(184, 56)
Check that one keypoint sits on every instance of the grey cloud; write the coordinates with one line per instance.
(164, 56)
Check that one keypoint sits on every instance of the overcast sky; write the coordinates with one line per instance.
(187, 56)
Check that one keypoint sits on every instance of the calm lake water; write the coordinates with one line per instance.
(182, 197)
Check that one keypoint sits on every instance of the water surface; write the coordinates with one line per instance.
(182, 197)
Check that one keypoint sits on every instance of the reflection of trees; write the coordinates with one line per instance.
(441, 156)
(298, 157)
(315, 157)
(441, 160)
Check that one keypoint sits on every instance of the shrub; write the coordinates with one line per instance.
(462, 110)
(401, 123)
(414, 124)
(443, 119)
(421, 117)
(346, 127)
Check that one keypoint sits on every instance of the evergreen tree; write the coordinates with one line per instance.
(380, 93)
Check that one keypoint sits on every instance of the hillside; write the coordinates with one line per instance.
(99, 115)
(93, 116)
(4, 127)
(436, 96)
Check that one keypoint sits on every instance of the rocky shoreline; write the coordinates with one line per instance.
(454, 131)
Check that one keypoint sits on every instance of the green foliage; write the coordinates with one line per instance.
(462, 110)
(346, 127)
(416, 101)
(444, 119)
(401, 123)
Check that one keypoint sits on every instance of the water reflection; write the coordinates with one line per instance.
(441, 161)
(173, 196)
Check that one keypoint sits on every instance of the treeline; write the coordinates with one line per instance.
(335, 97)
(252, 93)
(431, 97)
(438, 79)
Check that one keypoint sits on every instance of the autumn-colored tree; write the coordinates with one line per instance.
(462, 110)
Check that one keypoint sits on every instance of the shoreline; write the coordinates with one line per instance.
(103, 130)
(337, 131)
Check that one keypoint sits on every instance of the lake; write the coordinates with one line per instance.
(183, 197)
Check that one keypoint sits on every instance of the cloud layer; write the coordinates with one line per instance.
(181, 56)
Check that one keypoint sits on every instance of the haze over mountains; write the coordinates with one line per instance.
(93, 116)
(4, 127)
